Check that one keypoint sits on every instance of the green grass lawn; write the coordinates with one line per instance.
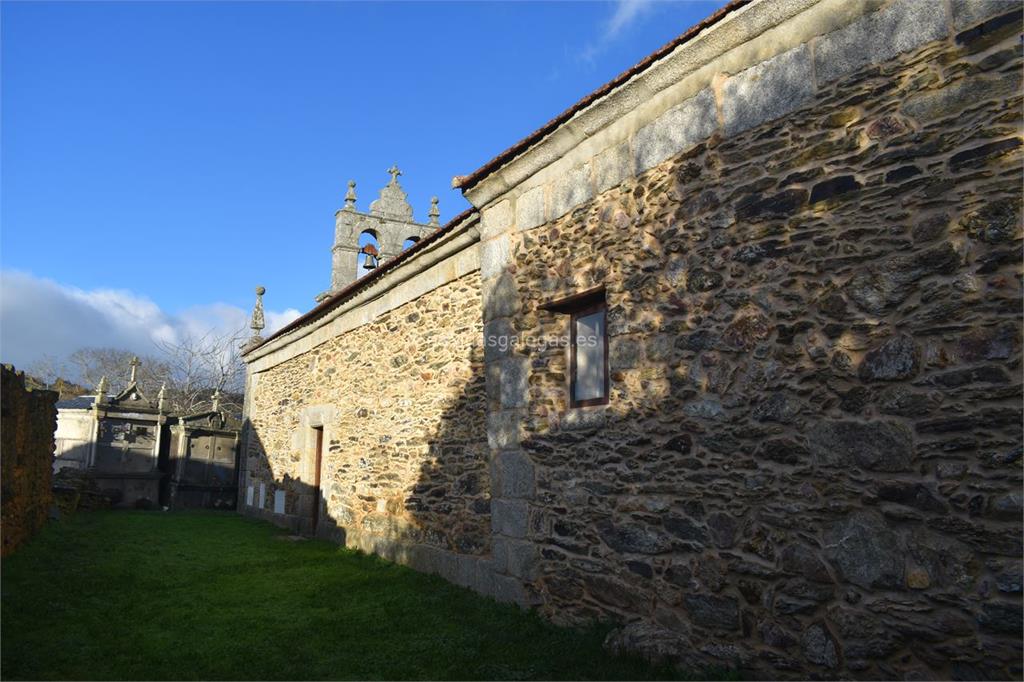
(150, 595)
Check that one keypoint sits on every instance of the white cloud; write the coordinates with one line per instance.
(626, 12)
(40, 317)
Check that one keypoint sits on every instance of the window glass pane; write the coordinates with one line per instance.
(590, 356)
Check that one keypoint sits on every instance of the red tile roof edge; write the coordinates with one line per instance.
(340, 296)
(465, 182)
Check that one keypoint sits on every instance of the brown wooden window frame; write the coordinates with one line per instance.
(600, 306)
(576, 306)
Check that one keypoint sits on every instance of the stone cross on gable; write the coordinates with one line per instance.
(134, 364)
(394, 174)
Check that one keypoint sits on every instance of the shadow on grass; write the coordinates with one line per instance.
(201, 595)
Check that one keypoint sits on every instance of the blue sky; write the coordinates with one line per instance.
(161, 159)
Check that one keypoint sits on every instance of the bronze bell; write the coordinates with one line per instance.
(370, 261)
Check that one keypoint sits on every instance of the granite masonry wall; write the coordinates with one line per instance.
(400, 400)
(806, 220)
(28, 419)
(810, 464)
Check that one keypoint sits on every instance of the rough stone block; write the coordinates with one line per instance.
(499, 554)
(522, 560)
(492, 376)
(530, 209)
(967, 13)
(584, 418)
(496, 219)
(483, 578)
(613, 166)
(510, 517)
(903, 26)
(495, 255)
(953, 99)
(679, 128)
(570, 190)
(510, 590)
(514, 374)
(499, 338)
(503, 429)
(500, 298)
(515, 474)
(767, 91)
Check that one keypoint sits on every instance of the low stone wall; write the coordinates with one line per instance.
(28, 419)
(811, 459)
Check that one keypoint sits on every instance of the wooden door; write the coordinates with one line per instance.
(318, 432)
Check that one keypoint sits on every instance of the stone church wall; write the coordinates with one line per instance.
(811, 458)
(28, 419)
(806, 221)
(405, 458)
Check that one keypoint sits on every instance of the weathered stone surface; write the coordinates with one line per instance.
(699, 280)
(899, 27)
(685, 529)
(864, 636)
(976, 156)
(834, 188)
(530, 209)
(993, 223)
(896, 359)
(967, 13)
(990, 31)
(1002, 617)
(880, 286)
(570, 190)
(949, 101)
(509, 517)
(29, 421)
(612, 166)
(682, 126)
(515, 474)
(802, 560)
(910, 494)
(722, 527)
(819, 647)
(781, 205)
(711, 611)
(876, 446)
(494, 256)
(653, 643)
(783, 450)
(777, 407)
(864, 551)
(767, 91)
(496, 219)
(633, 539)
(747, 330)
(989, 343)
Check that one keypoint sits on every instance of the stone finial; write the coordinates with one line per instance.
(350, 196)
(434, 212)
(161, 396)
(393, 202)
(134, 364)
(101, 388)
(216, 400)
(258, 322)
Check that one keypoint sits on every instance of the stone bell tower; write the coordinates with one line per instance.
(389, 221)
